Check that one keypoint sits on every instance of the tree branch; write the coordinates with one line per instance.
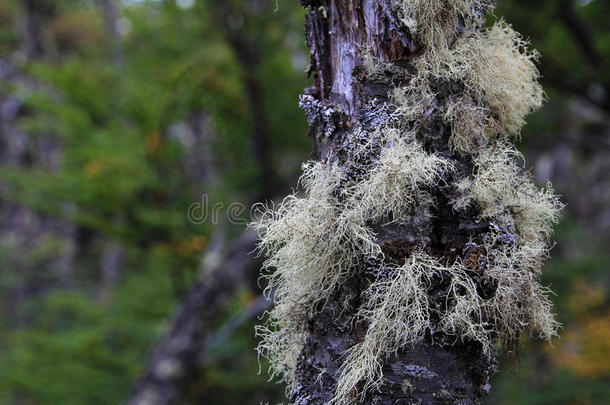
(176, 359)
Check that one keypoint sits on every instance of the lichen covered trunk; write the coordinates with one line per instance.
(417, 241)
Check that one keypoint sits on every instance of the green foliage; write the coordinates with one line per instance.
(109, 109)
(76, 351)
(127, 180)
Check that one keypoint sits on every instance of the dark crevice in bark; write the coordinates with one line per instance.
(318, 40)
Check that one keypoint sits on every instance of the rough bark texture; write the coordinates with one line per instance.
(436, 371)
(338, 32)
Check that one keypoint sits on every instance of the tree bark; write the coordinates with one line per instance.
(342, 99)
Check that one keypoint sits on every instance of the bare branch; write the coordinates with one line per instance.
(176, 359)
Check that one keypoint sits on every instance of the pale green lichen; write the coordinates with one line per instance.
(501, 77)
(498, 83)
(397, 313)
(499, 190)
(377, 70)
(481, 84)
(312, 242)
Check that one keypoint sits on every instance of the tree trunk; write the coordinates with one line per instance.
(337, 32)
(34, 23)
(21, 227)
(390, 292)
(110, 16)
(111, 269)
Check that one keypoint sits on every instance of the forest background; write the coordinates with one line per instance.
(136, 134)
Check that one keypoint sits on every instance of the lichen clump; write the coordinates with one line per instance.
(313, 242)
(481, 84)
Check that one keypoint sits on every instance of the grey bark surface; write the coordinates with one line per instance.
(437, 370)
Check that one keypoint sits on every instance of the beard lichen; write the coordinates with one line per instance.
(312, 242)
(433, 22)
(481, 84)
(497, 83)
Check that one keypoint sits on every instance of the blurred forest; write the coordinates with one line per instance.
(117, 118)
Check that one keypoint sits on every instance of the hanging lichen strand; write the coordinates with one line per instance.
(489, 287)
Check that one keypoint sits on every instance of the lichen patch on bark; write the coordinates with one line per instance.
(415, 241)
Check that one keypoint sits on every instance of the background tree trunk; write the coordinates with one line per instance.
(178, 357)
(21, 227)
